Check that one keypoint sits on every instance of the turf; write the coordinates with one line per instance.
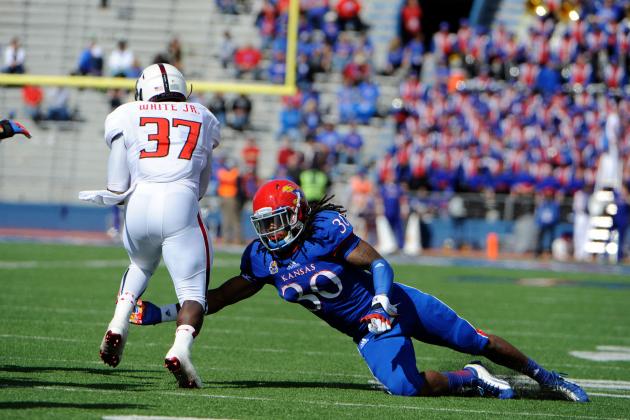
(264, 358)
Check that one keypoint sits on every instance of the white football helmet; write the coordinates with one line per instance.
(161, 82)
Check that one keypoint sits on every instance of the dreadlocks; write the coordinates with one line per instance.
(319, 206)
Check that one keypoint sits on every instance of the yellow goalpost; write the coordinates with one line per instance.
(288, 88)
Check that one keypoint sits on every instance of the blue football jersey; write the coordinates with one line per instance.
(317, 275)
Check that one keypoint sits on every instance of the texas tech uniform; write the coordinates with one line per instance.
(161, 150)
(168, 148)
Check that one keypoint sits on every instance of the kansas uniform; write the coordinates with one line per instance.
(318, 277)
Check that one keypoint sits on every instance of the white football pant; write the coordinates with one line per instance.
(162, 219)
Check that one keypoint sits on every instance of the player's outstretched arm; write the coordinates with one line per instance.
(233, 290)
(381, 314)
(9, 128)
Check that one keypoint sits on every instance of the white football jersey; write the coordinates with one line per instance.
(165, 141)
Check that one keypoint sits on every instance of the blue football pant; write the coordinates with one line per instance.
(391, 356)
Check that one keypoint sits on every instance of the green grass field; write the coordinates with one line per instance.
(264, 358)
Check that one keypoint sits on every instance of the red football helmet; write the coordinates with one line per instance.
(280, 210)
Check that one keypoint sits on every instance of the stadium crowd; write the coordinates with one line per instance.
(494, 112)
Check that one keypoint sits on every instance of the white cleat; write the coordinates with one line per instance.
(488, 384)
(113, 344)
(178, 361)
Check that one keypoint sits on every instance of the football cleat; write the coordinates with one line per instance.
(566, 389)
(488, 384)
(179, 364)
(113, 345)
(145, 313)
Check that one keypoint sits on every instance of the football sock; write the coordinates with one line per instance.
(538, 373)
(169, 312)
(124, 307)
(459, 379)
(184, 336)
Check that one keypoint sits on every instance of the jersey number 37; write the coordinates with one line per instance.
(162, 137)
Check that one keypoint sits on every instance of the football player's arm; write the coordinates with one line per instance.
(233, 290)
(382, 312)
(117, 169)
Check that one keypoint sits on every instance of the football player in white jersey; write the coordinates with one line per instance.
(160, 164)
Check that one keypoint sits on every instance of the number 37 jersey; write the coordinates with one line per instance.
(165, 141)
(317, 276)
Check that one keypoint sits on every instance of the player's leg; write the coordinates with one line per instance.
(428, 319)
(187, 254)
(437, 323)
(145, 256)
(501, 352)
(391, 359)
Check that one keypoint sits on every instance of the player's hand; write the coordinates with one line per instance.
(145, 313)
(381, 315)
(10, 128)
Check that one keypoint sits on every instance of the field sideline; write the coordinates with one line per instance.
(264, 358)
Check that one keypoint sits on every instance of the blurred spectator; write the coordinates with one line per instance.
(443, 44)
(348, 15)
(227, 50)
(395, 55)
(285, 152)
(91, 60)
(414, 54)
(121, 60)
(175, 54)
(247, 185)
(33, 97)
(548, 79)
(250, 153)
(314, 183)
(241, 111)
(247, 61)
(59, 108)
(347, 98)
(351, 145)
(410, 20)
(315, 11)
(311, 116)
(227, 6)
(367, 106)
(621, 219)
(360, 209)
(330, 139)
(290, 119)
(547, 216)
(393, 202)
(276, 70)
(218, 107)
(266, 23)
(457, 213)
(227, 191)
(14, 57)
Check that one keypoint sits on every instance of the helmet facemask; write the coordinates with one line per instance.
(279, 227)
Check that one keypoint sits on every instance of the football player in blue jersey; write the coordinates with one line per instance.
(312, 257)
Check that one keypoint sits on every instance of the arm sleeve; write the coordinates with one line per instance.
(248, 261)
(383, 276)
(117, 169)
(113, 127)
